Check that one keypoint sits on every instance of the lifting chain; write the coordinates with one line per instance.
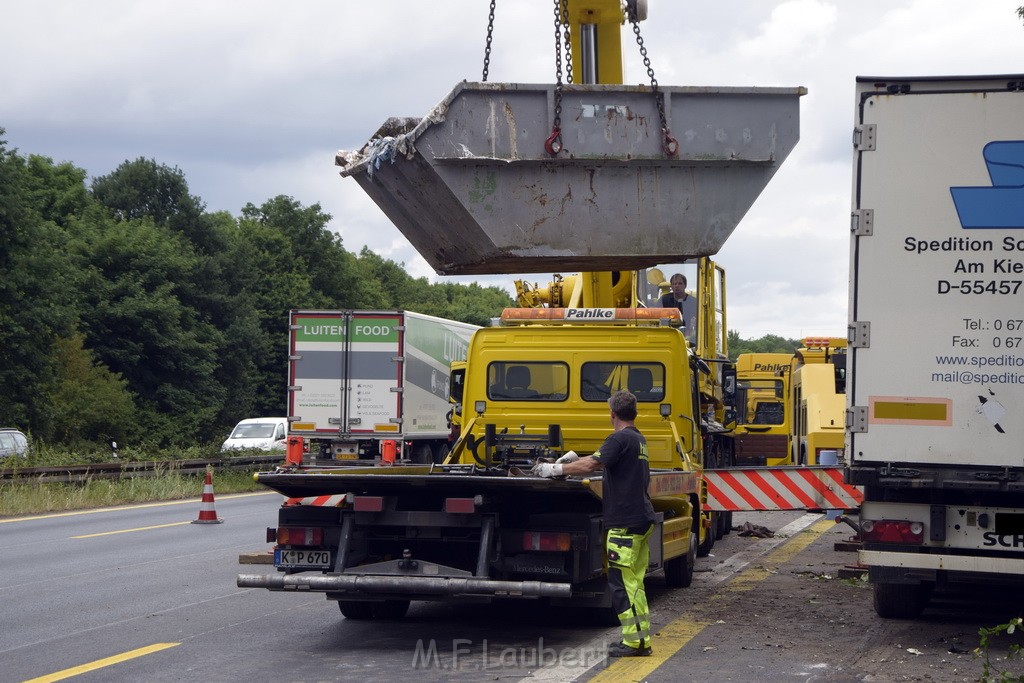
(553, 145)
(490, 36)
(668, 143)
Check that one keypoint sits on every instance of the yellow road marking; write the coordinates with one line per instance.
(125, 531)
(101, 663)
(676, 634)
(190, 501)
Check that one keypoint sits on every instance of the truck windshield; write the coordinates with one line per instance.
(759, 401)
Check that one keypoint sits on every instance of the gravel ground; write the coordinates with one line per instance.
(795, 618)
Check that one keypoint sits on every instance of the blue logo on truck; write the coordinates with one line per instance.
(1002, 204)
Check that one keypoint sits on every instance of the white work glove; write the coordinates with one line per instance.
(568, 457)
(547, 469)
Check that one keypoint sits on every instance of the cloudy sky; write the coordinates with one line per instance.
(252, 100)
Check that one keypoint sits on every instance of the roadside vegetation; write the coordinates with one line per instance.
(21, 496)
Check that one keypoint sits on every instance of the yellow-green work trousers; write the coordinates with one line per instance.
(628, 556)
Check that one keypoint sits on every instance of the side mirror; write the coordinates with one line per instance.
(729, 416)
(729, 385)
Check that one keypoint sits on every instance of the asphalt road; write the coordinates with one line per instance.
(141, 594)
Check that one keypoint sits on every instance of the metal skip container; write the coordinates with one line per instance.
(474, 190)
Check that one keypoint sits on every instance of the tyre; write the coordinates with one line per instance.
(901, 600)
(728, 523)
(719, 525)
(441, 452)
(679, 570)
(389, 609)
(704, 547)
(422, 454)
(358, 611)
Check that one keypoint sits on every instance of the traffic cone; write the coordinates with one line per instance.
(207, 515)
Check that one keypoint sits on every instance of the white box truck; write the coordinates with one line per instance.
(935, 386)
(363, 385)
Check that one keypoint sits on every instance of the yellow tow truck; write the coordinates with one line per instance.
(590, 176)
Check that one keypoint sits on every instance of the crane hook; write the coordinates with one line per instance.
(553, 145)
(669, 143)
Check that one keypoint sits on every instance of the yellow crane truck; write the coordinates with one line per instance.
(510, 178)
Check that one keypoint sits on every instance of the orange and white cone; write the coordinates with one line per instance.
(207, 515)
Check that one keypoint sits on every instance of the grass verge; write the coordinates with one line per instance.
(35, 497)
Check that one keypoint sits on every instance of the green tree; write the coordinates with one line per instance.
(769, 343)
(145, 189)
(336, 280)
(137, 324)
(269, 281)
(36, 303)
(472, 303)
(91, 404)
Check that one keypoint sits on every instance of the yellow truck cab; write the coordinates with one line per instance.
(819, 400)
(528, 374)
(763, 418)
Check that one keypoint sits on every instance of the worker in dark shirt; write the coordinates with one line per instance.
(628, 519)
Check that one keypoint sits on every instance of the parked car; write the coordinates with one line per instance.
(264, 433)
(12, 442)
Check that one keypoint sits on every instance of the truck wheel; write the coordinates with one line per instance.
(901, 600)
(442, 452)
(719, 525)
(679, 570)
(704, 548)
(356, 610)
(728, 523)
(390, 609)
(421, 453)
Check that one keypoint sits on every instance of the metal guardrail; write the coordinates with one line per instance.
(129, 469)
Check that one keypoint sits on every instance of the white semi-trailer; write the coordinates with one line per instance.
(935, 421)
(367, 384)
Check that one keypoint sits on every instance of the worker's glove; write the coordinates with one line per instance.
(568, 457)
(547, 469)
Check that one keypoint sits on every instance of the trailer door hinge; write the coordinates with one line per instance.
(397, 359)
(862, 222)
(295, 357)
(864, 137)
(858, 334)
(396, 420)
(396, 390)
(337, 420)
(295, 387)
(857, 419)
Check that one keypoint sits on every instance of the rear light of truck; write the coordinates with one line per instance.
(546, 541)
(300, 535)
(892, 531)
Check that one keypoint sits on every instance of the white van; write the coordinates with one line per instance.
(264, 433)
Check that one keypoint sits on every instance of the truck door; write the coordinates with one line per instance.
(373, 373)
(316, 359)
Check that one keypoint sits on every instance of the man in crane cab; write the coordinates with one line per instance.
(687, 305)
(628, 518)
